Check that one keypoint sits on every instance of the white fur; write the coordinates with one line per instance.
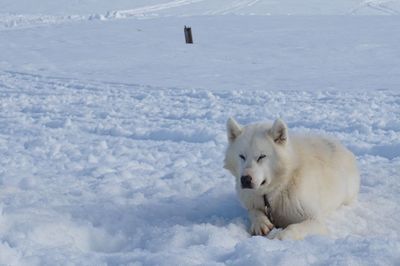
(306, 177)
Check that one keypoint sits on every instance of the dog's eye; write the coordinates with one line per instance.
(262, 156)
(242, 157)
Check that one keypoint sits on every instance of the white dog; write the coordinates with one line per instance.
(289, 181)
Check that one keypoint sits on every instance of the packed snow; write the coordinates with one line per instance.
(112, 133)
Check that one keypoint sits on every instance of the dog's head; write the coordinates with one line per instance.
(256, 153)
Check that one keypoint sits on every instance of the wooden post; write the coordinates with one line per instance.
(188, 35)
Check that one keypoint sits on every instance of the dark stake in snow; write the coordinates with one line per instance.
(188, 35)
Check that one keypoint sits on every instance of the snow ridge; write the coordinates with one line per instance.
(379, 5)
(201, 7)
(141, 11)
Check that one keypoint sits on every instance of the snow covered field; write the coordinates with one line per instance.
(112, 130)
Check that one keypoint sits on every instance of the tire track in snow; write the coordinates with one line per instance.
(141, 11)
(15, 21)
(233, 7)
(377, 5)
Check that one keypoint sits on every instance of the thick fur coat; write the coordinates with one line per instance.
(304, 178)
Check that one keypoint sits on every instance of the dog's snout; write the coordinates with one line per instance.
(246, 181)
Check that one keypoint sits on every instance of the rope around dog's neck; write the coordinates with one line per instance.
(268, 210)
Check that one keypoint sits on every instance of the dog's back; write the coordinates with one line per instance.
(327, 164)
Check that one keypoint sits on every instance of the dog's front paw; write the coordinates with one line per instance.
(260, 225)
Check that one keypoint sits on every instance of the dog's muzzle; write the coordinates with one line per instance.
(246, 181)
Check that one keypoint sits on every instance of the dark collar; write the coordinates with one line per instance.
(268, 210)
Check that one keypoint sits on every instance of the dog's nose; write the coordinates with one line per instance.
(246, 181)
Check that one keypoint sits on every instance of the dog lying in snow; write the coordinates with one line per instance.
(288, 181)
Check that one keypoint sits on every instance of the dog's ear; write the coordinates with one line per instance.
(233, 129)
(279, 132)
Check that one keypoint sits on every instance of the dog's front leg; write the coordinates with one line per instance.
(303, 229)
(260, 224)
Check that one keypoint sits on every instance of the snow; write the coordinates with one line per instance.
(331, 51)
(157, 8)
(112, 130)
